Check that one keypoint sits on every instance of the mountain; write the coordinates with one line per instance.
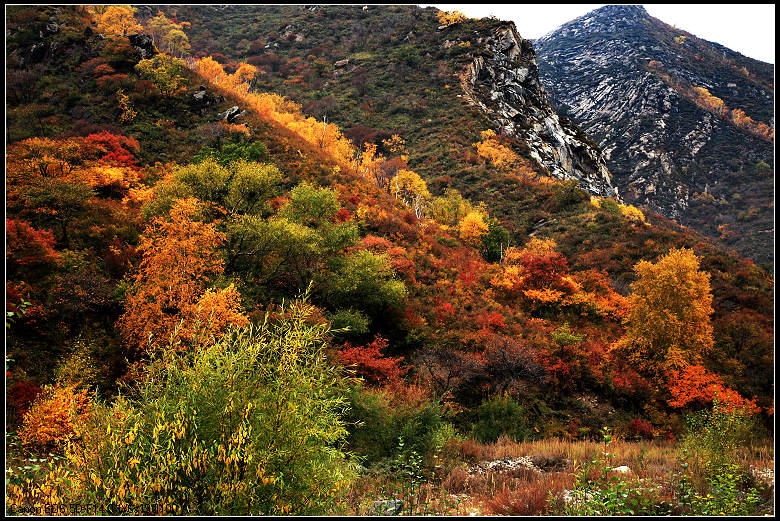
(360, 231)
(686, 125)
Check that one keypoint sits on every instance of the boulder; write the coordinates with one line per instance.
(388, 507)
(231, 114)
(143, 45)
(202, 100)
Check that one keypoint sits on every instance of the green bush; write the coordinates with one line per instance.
(354, 321)
(254, 151)
(610, 205)
(714, 437)
(501, 415)
(242, 187)
(569, 193)
(249, 424)
(608, 494)
(364, 280)
(376, 424)
(494, 242)
(723, 497)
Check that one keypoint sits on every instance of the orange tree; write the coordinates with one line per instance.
(180, 258)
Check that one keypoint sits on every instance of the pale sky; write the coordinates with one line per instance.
(748, 29)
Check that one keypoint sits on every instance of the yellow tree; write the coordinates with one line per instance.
(168, 34)
(472, 227)
(245, 73)
(498, 155)
(167, 73)
(447, 18)
(411, 189)
(668, 326)
(117, 19)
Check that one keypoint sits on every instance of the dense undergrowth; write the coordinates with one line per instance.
(262, 317)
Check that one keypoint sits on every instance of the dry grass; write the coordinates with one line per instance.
(462, 487)
(651, 458)
(425, 499)
(529, 497)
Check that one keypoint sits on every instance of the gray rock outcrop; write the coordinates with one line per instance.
(504, 84)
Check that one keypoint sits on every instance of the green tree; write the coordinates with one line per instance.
(364, 280)
(240, 187)
(166, 72)
(311, 206)
(495, 241)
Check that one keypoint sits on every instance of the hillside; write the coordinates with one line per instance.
(686, 124)
(334, 63)
(212, 296)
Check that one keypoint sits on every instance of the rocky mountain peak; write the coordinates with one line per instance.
(660, 103)
(627, 12)
(607, 19)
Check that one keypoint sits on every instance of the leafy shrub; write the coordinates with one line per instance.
(253, 151)
(568, 194)
(52, 418)
(247, 424)
(379, 417)
(353, 320)
(714, 437)
(20, 395)
(366, 281)
(501, 415)
(166, 72)
(723, 497)
(408, 54)
(607, 493)
(368, 362)
(494, 242)
(640, 429)
(610, 205)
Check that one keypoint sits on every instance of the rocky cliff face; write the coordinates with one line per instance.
(614, 72)
(504, 83)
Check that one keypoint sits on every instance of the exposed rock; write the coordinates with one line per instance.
(231, 114)
(388, 507)
(53, 28)
(448, 43)
(143, 45)
(504, 465)
(622, 469)
(202, 100)
(504, 84)
(341, 63)
(660, 147)
(766, 475)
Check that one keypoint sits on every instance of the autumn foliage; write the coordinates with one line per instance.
(180, 258)
(370, 364)
(51, 420)
(694, 385)
(668, 326)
